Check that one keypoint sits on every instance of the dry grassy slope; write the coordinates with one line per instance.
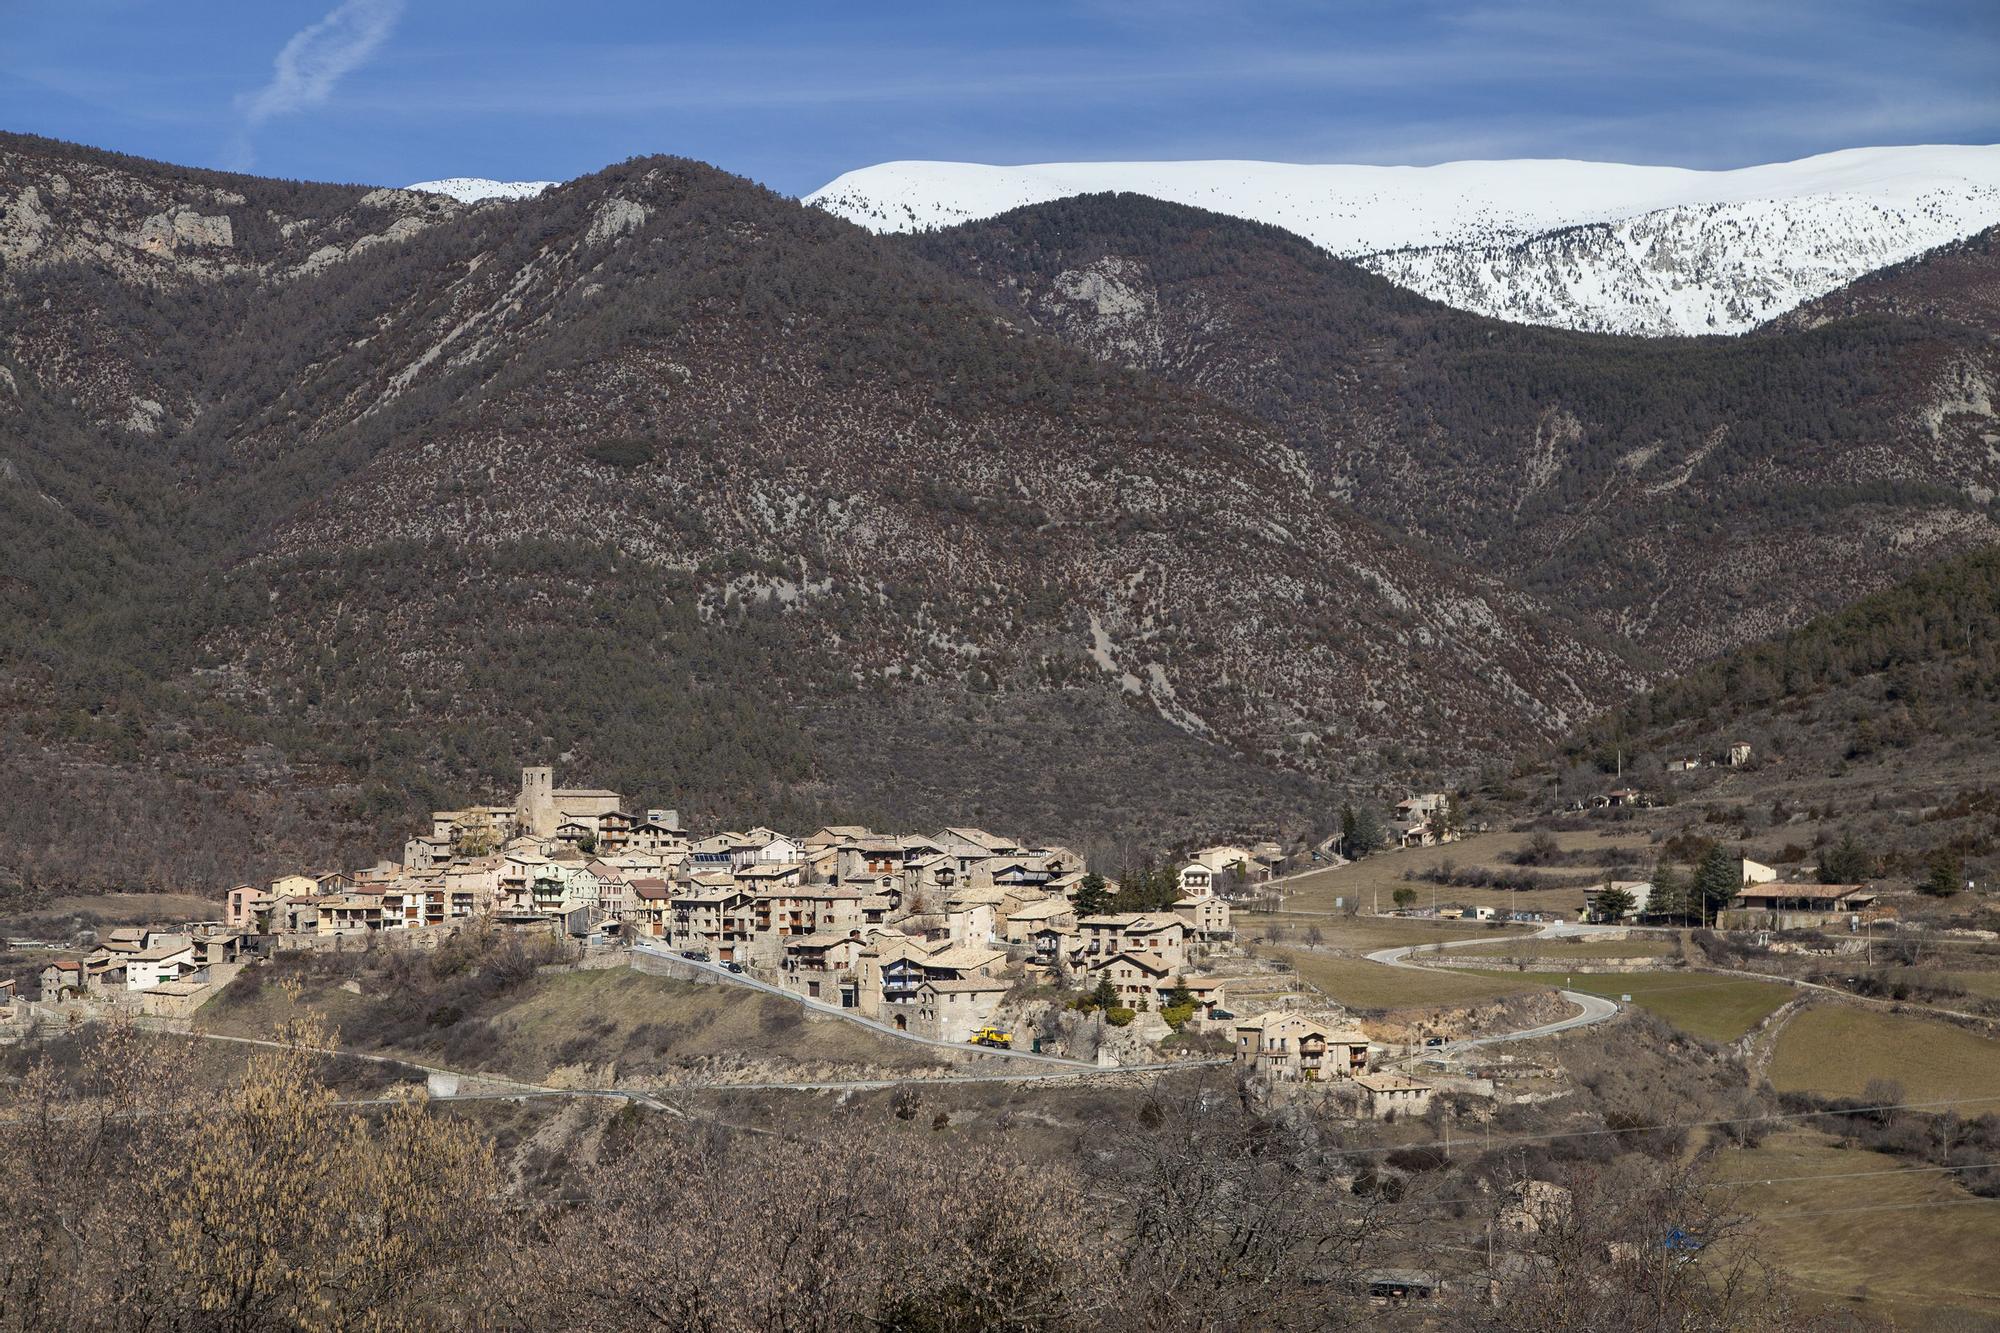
(855, 477)
(601, 1028)
(1688, 494)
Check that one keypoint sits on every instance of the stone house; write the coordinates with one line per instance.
(62, 980)
(1023, 922)
(956, 1010)
(1139, 979)
(1207, 917)
(1291, 1048)
(716, 919)
(1385, 1094)
(1163, 935)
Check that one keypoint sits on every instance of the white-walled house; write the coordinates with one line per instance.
(1197, 880)
(168, 960)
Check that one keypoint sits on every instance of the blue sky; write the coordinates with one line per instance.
(792, 94)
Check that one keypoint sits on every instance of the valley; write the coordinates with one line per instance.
(1135, 754)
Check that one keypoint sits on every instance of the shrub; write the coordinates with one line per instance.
(1118, 1016)
(620, 452)
(1177, 1015)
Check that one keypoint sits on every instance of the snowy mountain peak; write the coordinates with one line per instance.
(1585, 245)
(472, 189)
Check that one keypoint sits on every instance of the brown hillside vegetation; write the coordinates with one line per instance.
(1872, 727)
(124, 1194)
(1688, 494)
(718, 495)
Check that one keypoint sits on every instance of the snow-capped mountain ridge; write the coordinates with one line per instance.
(472, 189)
(1588, 245)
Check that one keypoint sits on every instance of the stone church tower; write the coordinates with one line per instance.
(535, 807)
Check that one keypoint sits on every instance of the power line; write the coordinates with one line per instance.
(1681, 1124)
(1874, 1208)
(1859, 1175)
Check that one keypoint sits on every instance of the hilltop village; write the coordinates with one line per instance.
(939, 936)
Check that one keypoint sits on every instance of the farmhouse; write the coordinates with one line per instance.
(1293, 1048)
(1386, 1094)
(1778, 906)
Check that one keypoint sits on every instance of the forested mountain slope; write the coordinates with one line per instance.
(702, 494)
(1957, 283)
(1925, 651)
(1689, 494)
(1872, 729)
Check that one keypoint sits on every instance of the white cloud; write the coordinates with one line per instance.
(319, 56)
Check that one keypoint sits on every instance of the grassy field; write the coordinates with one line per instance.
(1566, 949)
(1360, 934)
(1908, 1253)
(1699, 1003)
(616, 1023)
(1360, 984)
(124, 909)
(1375, 878)
(1985, 985)
(1836, 1049)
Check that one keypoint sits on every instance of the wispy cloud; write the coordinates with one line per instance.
(316, 58)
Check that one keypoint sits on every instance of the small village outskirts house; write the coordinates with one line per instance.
(61, 980)
(1640, 890)
(1288, 1047)
(957, 1010)
(1778, 906)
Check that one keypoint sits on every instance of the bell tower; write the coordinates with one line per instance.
(535, 808)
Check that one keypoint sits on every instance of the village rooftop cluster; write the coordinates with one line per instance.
(938, 935)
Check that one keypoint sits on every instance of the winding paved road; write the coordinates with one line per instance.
(1592, 1008)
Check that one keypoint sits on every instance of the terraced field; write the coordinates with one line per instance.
(1854, 1230)
(1360, 984)
(1372, 882)
(1699, 1003)
(1359, 934)
(1836, 1050)
(1571, 949)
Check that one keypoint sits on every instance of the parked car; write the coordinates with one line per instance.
(695, 955)
(731, 967)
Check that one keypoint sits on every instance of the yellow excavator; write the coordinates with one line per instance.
(992, 1036)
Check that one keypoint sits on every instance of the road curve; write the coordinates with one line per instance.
(1591, 1008)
